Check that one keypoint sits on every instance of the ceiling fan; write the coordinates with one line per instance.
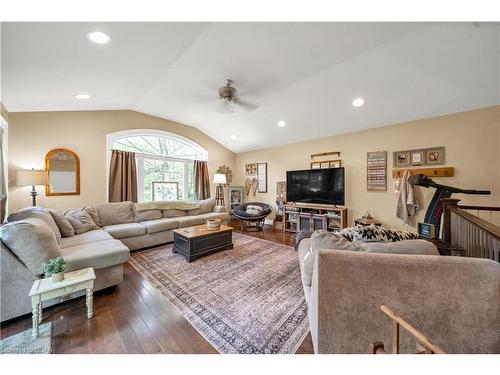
(230, 99)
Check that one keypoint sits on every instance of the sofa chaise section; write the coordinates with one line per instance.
(91, 249)
(122, 229)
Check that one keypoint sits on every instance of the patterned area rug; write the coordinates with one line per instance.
(245, 300)
(23, 343)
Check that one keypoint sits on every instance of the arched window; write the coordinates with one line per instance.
(165, 162)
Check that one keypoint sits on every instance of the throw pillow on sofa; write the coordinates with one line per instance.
(81, 221)
(62, 223)
(373, 233)
(92, 211)
(323, 240)
(32, 241)
(37, 212)
(115, 213)
(206, 206)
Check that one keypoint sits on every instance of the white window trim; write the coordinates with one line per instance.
(111, 137)
(5, 147)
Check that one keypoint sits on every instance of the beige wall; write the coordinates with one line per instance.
(33, 134)
(471, 139)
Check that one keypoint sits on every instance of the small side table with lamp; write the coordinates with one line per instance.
(32, 178)
(367, 220)
(220, 180)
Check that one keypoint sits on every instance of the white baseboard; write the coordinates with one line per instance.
(269, 222)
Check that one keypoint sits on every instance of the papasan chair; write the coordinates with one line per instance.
(252, 215)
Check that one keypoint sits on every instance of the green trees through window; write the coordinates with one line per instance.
(165, 165)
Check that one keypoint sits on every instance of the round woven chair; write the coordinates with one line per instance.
(252, 223)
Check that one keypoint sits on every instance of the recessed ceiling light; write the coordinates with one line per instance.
(98, 37)
(281, 123)
(358, 102)
(82, 96)
(233, 136)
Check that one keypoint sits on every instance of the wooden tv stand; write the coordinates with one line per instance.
(303, 216)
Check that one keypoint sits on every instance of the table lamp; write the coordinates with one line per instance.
(33, 178)
(220, 180)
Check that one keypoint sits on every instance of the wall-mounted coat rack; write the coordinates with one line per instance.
(429, 172)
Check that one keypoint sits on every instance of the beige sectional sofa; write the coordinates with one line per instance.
(455, 301)
(121, 228)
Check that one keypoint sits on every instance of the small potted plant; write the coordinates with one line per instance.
(55, 267)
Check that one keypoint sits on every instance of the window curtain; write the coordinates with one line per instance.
(201, 180)
(122, 177)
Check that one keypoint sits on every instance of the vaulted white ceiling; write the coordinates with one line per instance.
(306, 74)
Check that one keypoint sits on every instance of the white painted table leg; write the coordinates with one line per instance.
(39, 312)
(90, 303)
(35, 311)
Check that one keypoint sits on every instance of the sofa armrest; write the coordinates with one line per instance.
(437, 295)
(219, 209)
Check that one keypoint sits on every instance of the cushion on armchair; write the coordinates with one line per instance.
(241, 211)
(253, 210)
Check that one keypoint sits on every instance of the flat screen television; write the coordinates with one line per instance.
(322, 186)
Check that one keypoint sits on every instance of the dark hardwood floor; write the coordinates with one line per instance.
(132, 317)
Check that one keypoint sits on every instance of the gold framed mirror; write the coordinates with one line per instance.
(63, 166)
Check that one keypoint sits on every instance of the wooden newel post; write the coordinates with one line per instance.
(447, 204)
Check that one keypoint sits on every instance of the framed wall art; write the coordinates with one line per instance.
(165, 190)
(262, 177)
(401, 159)
(417, 157)
(251, 169)
(434, 155)
(376, 171)
(326, 164)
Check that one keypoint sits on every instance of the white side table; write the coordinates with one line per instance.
(45, 289)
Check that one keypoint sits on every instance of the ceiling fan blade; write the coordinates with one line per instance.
(246, 105)
(200, 98)
(225, 107)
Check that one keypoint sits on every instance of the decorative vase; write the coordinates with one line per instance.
(56, 277)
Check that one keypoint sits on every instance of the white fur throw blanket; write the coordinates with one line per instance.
(166, 205)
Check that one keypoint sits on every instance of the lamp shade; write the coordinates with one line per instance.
(220, 178)
(24, 178)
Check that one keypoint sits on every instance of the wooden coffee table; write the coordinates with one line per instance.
(195, 242)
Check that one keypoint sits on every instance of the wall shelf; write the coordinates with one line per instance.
(429, 172)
